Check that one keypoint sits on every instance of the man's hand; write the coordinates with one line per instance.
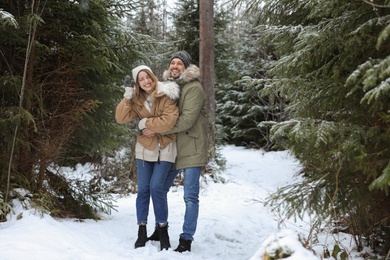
(147, 132)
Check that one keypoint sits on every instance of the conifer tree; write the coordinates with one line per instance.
(149, 18)
(333, 68)
(186, 22)
(240, 107)
(148, 24)
(70, 56)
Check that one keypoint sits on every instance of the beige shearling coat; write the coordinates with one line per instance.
(162, 113)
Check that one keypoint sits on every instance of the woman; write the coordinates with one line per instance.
(155, 103)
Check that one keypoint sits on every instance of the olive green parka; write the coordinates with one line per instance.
(191, 126)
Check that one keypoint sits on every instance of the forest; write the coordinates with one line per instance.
(308, 76)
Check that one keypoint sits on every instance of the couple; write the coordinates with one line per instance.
(173, 139)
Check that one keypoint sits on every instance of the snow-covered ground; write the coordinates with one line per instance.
(233, 223)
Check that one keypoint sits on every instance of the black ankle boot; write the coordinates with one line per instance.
(154, 236)
(184, 245)
(142, 238)
(164, 237)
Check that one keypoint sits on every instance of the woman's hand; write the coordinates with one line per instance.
(147, 132)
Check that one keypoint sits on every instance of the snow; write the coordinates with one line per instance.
(233, 223)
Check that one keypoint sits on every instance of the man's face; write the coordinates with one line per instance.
(176, 67)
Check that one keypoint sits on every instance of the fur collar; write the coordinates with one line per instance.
(168, 88)
(189, 74)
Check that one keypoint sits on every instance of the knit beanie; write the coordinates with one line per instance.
(136, 70)
(184, 56)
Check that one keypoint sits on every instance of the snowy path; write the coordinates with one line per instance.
(232, 223)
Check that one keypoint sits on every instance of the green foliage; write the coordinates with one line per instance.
(5, 208)
(333, 69)
(241, 106)
(58, 104)
(186, 21)
(67, 197)
(373, 78)
(336, 251)
(383, 181)
(148, 25)
(7, 19)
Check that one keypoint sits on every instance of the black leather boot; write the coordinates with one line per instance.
(184, 245)
(164, 237)
(154, 236)
(142, 238)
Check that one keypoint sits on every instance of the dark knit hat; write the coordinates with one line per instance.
(184, 56)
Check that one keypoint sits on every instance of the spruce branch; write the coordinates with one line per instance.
(376, 5)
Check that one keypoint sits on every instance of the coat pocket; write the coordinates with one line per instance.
(188, 143)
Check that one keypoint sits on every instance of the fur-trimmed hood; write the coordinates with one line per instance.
(168, 88)
(189, 74)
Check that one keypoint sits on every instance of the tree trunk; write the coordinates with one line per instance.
(206, 64)
(25, 163)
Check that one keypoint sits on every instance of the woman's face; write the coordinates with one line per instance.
(145, 81)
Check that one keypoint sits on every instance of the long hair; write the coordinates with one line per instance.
(139, 94)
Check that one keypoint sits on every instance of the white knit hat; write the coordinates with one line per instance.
(136, 70)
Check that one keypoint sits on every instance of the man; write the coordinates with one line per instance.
(191, 140)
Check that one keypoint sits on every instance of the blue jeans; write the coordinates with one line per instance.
(151, 183)
(172, 174)
(191, 198)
